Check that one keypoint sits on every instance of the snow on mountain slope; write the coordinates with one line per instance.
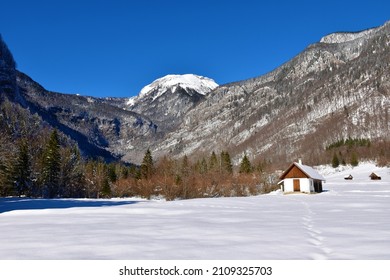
(201, 85)
(343, 37)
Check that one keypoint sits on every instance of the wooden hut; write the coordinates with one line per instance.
(301, 178)
(375, 176)
(350, 177)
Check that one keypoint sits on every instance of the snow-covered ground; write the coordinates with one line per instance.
(350, 220)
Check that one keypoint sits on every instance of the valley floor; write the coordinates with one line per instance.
(350, 220)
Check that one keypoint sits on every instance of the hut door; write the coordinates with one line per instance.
(297, 187)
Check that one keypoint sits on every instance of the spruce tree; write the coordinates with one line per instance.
(72, 175)
(226, 163)
(106, 189)
(112, 176)
(245, 166)
(213, 164)
(185, 166)
(202, 166)
(147, 168)
(354, 160)
(21, 174)
(6, 181)
(51, 166)
(335, 161)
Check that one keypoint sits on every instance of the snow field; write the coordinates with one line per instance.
(350, 220)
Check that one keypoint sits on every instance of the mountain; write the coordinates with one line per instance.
(8, 87)
(189, 84)
(167, 99)
(99, 126)
(109, 128)
(334, 89)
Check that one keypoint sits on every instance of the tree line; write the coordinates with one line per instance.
(353, 150)
(184, 178)
(52, 170)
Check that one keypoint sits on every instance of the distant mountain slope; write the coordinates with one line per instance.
(336, 88)
(98, 127)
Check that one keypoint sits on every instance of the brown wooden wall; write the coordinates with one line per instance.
(295, 172)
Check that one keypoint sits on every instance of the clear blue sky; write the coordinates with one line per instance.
(114, 48)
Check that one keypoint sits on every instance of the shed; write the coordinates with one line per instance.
(301, 178)
(350, 177)
(375, 176)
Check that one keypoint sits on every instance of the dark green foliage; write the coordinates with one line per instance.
(21, 173)
(112, 177)
(124, 172)
(354, 160)
(106, 189)
(350, 142)
(147, 168)
(245, 166)
(51, 167)
(226, 163)
(185, 167)
(72, 179)
(201, 166)
(335, 161)
(6, 166)
(213, 163)
(135, 172)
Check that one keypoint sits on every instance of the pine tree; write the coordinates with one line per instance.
(245, 166)
(72, 175)
(213, 164)
(106, 189)
(51, 166)
(335, 161)
(112, 176)
(185, 166)
(354, 160)
(226, 163)
(21, 173)
(147, 168)
(201, 166)
(7, 159)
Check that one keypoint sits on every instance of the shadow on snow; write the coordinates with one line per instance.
(10, 204)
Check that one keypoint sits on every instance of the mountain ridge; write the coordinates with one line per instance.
(278, 95)
(335, 88)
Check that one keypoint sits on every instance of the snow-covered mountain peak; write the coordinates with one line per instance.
(201, 85)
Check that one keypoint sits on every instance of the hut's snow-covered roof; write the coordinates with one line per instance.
(308, 170)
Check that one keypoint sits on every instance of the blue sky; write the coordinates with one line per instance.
(114, 48)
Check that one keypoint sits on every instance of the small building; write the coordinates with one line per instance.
(375, 176)
(348, 177)
(301, 178)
